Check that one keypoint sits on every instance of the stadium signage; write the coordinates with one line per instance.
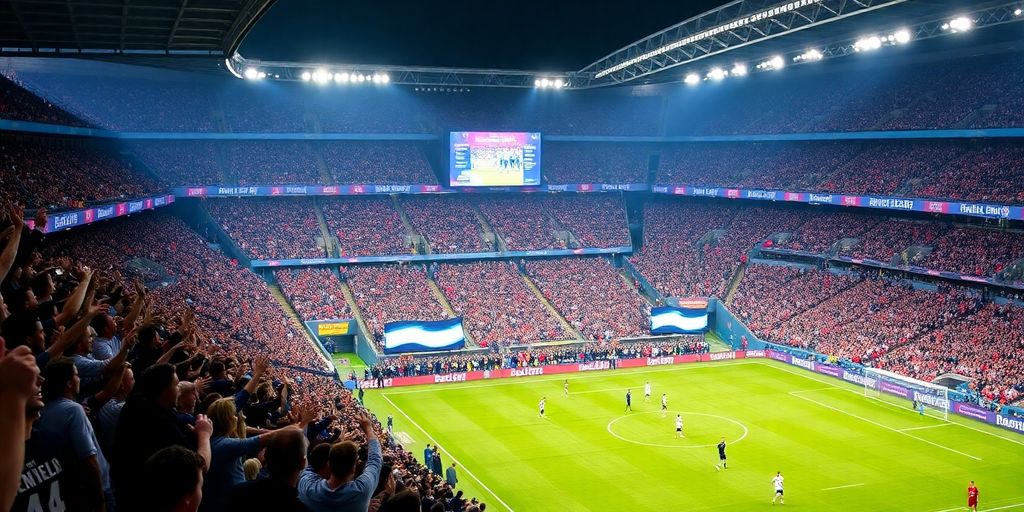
(762, 194)
(891, 203)
(857, 378)
(756, 353)
(827, 369)
(658, 361)
(65, 220)
(778, 356)
(104, 212)
(450, 377)
(595, 365)
(975, 412)
(526, 372)
(1014, 424)
(722, 356)
(934, 401)
(991, 211)
(803, 363)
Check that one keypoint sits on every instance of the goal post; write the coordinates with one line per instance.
(904, 391)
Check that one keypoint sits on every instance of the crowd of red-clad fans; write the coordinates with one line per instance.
(65, 173)
(392, 293)
(154, 394)
(270, 228)
(482, 294)
(315, 293)
(449, 223)
(592, 296)
(365, 226)
(886, 322)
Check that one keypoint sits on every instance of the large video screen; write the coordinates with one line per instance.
(407, 336)
(691, 316)
(494, 159)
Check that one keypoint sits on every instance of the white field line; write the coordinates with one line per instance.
(522, 380)
(841, 487)
(926, 426)
(452, 457)
(986, 509)
(958, 423)
(887, 427)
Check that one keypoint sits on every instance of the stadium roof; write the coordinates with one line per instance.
(169, 27)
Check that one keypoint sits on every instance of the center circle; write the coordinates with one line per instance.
(694, 430)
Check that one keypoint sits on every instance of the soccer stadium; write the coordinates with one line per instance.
(493, 256)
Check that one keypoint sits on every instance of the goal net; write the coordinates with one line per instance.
(907, 392)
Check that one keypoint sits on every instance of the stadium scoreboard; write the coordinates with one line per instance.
(494, 159)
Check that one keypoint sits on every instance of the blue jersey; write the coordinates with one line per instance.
(628, 397)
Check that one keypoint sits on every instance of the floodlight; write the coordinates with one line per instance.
(545, 82)
(777, 62)
(716, 74)
(376, 78)
(340, 78)
(261, 75)
(306, 76)
(536, 83)
(961, 24)
(692, 79)
(902, 36)
(739, 69)
(559, 83)
(362, 78)
(251, 73)
(867, 44)
(385, 78)
(1016, 12)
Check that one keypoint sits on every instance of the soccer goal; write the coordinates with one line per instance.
(905, 392)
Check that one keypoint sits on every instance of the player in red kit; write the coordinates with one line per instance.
(972, 497)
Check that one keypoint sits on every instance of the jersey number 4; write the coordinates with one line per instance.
(55, 505)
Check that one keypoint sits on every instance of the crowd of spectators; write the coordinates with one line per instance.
(592, 296)
(596, 220)
(595, 163)
(145, 389)
(572, 353)
(521, 222)
(482, 294)
(18, 104)
(392, 293)
(177, 163)
(365, 226)
(272, 162)
(378, 163)
(824, 229)
(64, 173)
(270, 228)
(315, 293)
(448, 222)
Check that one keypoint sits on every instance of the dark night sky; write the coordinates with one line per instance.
(526, 34)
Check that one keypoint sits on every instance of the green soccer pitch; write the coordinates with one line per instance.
(837, 449)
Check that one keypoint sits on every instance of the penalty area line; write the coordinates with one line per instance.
(841, 487)
(452, 457)
(924, 427)
(887, 427)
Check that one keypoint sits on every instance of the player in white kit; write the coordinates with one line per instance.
(647, 391)
(541, 406)
(664, 404)
(679, 425)
(777, 483)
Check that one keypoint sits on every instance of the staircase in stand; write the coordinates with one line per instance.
(443, 300)
(419, 241)
(300, 327)
(356, 312)
(329, 241)
(734, 284)
(488, 230)
(566, 326)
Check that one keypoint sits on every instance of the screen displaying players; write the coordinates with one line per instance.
(494, 159)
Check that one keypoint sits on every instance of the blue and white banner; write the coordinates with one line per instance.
(678, 320)
(410, 336)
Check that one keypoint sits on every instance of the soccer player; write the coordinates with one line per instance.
(777, 483)
(647, 391)
(541, 406)
(629, 400)
(565, 387)
(391, 423)
(721, 456)
(664, 404)
(679, 425)
(972, 497)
